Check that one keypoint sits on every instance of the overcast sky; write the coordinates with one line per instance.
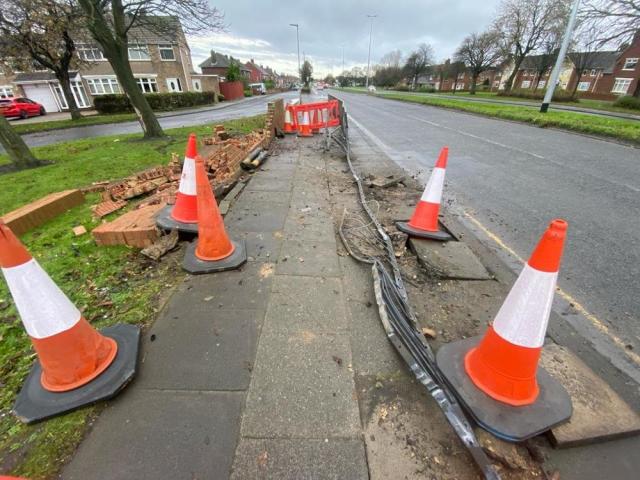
(260, 30)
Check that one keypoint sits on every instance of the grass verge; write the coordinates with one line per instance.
(621, 129)
(108, 284)
(24, 128)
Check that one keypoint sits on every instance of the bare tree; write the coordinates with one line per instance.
(111, 23)
(620, 18)
(417, 62)
(525, 24)
(588, 39)
(546, 56)
(479, 52)
(41, 31)
(392, 59)
(19, 154)
(389, 72)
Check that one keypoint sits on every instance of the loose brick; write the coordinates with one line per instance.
(135, 228)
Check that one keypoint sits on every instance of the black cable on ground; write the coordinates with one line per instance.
(400, 323)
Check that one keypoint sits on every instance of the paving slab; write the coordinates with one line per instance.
(246, 288)
(308, 258)
(450, 260)
(270, 182)
(209, 349)
(599, 413)
(161, 435)
(267, 217)
(285, 459)
(261, 246)
(302, 387)
(250, 199)
(310, 223)
(310, 304)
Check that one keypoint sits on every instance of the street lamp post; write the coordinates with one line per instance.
(342, 62)
(555, 73)
(299, 70)
(371, 17)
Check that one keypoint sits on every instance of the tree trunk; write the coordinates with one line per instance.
(509, 83)
(474, 80)
(18, 152)
(455, 85)
(65, 84)
(575, 87)
(118, 58)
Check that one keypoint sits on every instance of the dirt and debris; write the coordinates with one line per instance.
(164, 244)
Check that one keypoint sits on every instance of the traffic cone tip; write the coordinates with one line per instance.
(192, 146)
(548, 253)
(12, 252)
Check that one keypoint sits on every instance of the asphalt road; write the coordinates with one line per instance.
(512, 179)
(225, 111)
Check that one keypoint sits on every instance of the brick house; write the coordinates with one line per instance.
(258, 73)
(160, 63)
(606, 74)
(217, 64)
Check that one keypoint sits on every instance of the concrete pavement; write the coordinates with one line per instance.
(510, 179)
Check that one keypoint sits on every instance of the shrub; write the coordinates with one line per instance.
(306, 89)
(427, 89)
(628, 101)
(559, 95)
(221, 97)
(402, 88)
(162, 102)
(248, 92)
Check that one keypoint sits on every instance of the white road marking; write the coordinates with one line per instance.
(467, 134)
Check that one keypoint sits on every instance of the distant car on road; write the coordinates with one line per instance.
(372, 89)
(20, 107)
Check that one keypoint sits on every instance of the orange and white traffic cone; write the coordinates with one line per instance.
(424, 222)
(213, 250)
(304, 127)
(183, 215)
(503, 365)
(76, 364)
(288, 120)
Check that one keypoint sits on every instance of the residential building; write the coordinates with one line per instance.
(258, 73)
(217, 64)
(160, 63)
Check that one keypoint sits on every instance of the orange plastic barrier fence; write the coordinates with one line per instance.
(321, 114)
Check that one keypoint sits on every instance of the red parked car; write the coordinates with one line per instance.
(20, 107)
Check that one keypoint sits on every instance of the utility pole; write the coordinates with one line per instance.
(555, 73)
(342, 62)
(371, 17)
(299, 69)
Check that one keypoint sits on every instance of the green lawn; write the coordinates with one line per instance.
(628, 130)
(109, 284)
(24, 128)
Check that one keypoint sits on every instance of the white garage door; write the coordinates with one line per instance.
(42, 94)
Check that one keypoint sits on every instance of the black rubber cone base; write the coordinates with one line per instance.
(194, 265)
(164, 221)
(414, 232)
(34, 403)
(513, 424)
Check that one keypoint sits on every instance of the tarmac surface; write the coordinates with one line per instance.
(509, 180)
(224, 111)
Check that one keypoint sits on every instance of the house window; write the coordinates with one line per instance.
(197, 86)
(593, 72)
(460, 75)
(103, 86)
(6, 91)
(496, 83)
(525, 84)
(584, 86)
(166, 52)
(147, 85)
(630, 63)
(139, 52)
(91, 54)
(621, 85)
(542, 83)
(460, 86)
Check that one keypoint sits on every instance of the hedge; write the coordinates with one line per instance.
(628, 101)
(558, 96)
(158, 101)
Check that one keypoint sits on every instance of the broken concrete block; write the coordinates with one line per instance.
(450, 260)
(599, 413)
(79, 230)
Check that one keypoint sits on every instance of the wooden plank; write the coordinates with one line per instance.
(599, 413)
